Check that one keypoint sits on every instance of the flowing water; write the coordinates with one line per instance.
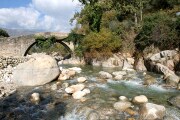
(55, 106)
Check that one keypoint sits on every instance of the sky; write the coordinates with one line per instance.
(46, 15)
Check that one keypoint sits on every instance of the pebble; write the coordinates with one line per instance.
(35, 98)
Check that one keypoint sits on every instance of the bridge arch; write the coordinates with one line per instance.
(19, 46)
(56, 41)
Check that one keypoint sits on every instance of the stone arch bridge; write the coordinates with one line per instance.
(19, 46)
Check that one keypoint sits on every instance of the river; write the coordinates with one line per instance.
(56, 105)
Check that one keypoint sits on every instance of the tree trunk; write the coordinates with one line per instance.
(135, 18)
(141, 15)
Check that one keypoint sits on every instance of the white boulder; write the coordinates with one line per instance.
(150, 111)
(39, 70)
(81, 79)
(140, 99)
(75, 88)
(78, 94)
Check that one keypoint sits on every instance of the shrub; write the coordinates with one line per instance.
(101, 45)
(3, 33)
(45, 43)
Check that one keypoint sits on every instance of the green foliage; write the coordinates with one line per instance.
(79, 51)
(101, 45)
(113, 26)
(74, 37)
(3, 33)
(160, 30)
(45, 43)
(48, 45)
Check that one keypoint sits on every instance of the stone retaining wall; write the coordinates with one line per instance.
(12, 61)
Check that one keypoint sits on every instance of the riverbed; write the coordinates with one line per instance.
(57, 105)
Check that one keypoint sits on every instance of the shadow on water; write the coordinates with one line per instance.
(19, 107)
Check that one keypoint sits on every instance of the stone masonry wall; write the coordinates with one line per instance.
(11, 61)
(15, 46)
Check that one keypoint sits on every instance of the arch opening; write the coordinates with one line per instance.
(56, 41)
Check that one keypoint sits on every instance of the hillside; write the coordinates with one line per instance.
(19, 32)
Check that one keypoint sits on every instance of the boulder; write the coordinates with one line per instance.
(150, 111)
(126, 65)
(163, 62)
(75, 88)
(170, 64)
(115, 61)
(163, 69)
(140, 65)
(122, 105)
(39, 70)
(105, 75)
(168, 53)
(78, 94)
(81, 79)
(163, 54)
(140, 99)
(172, 80)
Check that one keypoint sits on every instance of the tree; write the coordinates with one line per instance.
(160, 30)
(3, 33)
(164, 4)
(92, 13)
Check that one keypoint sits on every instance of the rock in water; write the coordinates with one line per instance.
(122, 105)
(123, 98)
(105, 75)
(150, 111)
(140, 99)
(172, 80)
(35, 98)
(75, 88)
(78, 94)
(39, 70)
(81, 79)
